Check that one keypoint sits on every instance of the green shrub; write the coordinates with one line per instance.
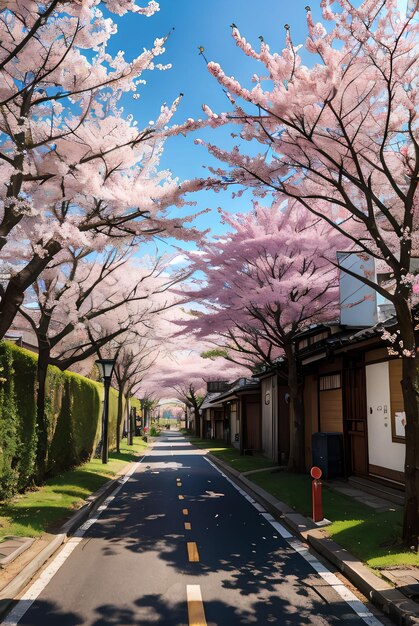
(9, 438)
(154, 432)
(113, 417)
(73, 412)
(24, 364)
(135, 403)
(86, 415)
(74, 425)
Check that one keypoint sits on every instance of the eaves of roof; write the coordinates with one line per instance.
(344, 338)
(210, 400)
(236, 391)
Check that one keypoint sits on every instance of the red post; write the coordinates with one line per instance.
(316, 494)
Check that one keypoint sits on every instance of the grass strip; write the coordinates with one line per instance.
(373, 537)
(48, 507)
(231, 455)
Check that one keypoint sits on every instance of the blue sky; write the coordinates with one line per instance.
(204, 24)
(207, 24)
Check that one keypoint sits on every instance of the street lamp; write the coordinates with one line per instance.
(105, 367)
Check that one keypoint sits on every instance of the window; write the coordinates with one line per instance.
(329, 381)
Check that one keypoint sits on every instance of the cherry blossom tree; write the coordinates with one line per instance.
(75, 170)
(180, 369)
(176, 373)
(148, 403)
(265, 281)
(340, 139)
(134, 355)
(84, 304)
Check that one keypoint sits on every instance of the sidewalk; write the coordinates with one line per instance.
(402, 610)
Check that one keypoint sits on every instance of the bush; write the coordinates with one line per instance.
(10, 443)
(73, 418)
(73, 411)
(154, 432)
(113, 416)
(24, 363)
(136, 404)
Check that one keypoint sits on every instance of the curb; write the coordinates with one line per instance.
(21, 580)
(398, 607)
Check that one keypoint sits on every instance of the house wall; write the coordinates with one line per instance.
(311, 414)
(206, 424)
(384, 443)
(251, 411)
(323, 409)
(283, 422)
(218, 424)
(330, 400)
(235, 424)
(379, 354)
(219, 429)
(269, 417)
(331, 409)
(396, 399)
(386, 451)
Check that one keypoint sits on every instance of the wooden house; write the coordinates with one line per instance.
(352, 386)
(275, 436)
(241, 404)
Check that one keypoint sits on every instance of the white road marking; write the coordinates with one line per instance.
(29, 597)
(356, 605)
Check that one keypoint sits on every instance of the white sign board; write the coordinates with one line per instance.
(358, 301)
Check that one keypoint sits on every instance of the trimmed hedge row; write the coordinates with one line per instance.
(136, 403)
(73, 411)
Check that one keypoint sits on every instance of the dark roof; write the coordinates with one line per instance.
(210, 399)
(343, 337)
(352, 336)
(241, 385)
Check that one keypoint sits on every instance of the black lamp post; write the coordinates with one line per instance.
(105, 367)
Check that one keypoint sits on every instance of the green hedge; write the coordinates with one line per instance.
(9, 426)
(73, 411)
(136, 403)
(24, 366)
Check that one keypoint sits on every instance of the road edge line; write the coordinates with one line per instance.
(22, 579)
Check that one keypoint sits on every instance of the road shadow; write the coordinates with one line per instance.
(237, 546)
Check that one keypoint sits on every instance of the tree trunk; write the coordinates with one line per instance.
(15, 290)
(296, 461)
(130, 423)
(410, 389)
(42, 426)
(131, 418)
(119, 418)
(197, 422)
(9, 306)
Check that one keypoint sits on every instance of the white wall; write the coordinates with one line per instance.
(358, 302)
(382, 451)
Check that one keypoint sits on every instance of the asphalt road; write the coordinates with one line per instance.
(178, 545)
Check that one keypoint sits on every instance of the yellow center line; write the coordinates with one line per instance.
(185, 511)
(196, 611)
(193, 554)
(181, 497)
(188, 526)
